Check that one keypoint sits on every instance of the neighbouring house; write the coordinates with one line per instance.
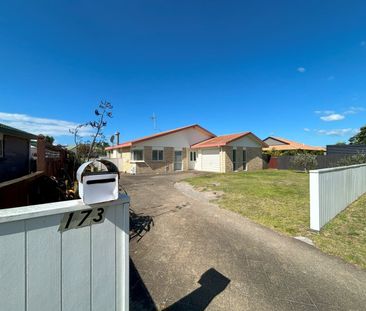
(189, 148)
(282, 145)
(15, 152)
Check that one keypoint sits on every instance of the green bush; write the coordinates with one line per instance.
(359, 158)
(306, 161)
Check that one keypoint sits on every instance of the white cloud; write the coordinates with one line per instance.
(301, 69)
(307, 129)
(43, 126)
(332, 117)
(324, 111)
(354, 110)
(338, 132)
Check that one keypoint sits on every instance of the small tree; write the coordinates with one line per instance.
(359, 138)
(50, 139)
(306, 161)
(86, 149)
(103, 112)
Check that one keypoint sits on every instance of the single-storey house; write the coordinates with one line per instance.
(15, 152)
(189, 148)
(283, 144)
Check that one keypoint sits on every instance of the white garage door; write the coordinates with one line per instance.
(210, 160)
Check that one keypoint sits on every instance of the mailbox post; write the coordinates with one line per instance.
(70, 255)
(96, 187)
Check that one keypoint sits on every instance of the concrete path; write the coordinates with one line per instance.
(196, 256)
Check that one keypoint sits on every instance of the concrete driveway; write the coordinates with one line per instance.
(190, 255)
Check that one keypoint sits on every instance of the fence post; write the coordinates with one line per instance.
(41, 153)
(48, 266)
(314, 200)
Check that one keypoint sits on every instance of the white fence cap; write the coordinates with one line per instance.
(338, 168)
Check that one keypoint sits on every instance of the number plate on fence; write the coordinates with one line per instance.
(79, 219)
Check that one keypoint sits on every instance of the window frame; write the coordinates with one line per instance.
(158, 153)
(234, 160)
(193, 156)
(244, 160)
(133, 155)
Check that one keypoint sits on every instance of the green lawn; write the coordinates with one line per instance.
(280, 200)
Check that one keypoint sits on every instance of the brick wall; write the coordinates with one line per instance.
(150, 166)
(185, 158)
(169, 158)
(126, 158)
(226, 159)
(254, 158)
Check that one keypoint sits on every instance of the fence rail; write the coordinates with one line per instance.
(332, 190)
(43, 268)
(20, 191)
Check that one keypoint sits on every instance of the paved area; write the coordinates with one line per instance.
(190, 255)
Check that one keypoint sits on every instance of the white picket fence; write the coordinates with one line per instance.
(85, 268)
(332, 190)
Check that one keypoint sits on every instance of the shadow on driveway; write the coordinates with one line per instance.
(212, 283)
(139, 225)
(140, 298)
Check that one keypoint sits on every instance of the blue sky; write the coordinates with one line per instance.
(295, 69)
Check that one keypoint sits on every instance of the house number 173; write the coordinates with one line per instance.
(79, 219)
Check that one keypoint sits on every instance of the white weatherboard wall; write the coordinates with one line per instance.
(177, 140)
(42, 269)
(246, 141)
(332, 190)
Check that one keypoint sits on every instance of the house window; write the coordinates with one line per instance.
(234, 160)
(137, 155)
(244, 160)
(158, 155)
(1, 146)
(193, 156)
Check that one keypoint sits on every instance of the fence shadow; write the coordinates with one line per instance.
(139, 225)
(212, 283)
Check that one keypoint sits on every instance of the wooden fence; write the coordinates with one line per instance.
(332, 190)
(345, 149)
(52, 160)
(20, 191)
(46, 266)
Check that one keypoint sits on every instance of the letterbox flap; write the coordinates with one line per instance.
(112, 168)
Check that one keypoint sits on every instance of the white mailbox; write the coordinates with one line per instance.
(97, 187)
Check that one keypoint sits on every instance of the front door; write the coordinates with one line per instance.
(192, 159)
(177, 160)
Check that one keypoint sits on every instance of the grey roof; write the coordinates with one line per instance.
(5, 129)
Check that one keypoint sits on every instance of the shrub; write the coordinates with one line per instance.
(359, 158)
(306, 161)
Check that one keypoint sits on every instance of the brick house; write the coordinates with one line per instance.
(189, 148)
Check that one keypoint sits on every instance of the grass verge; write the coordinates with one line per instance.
(280, 201)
